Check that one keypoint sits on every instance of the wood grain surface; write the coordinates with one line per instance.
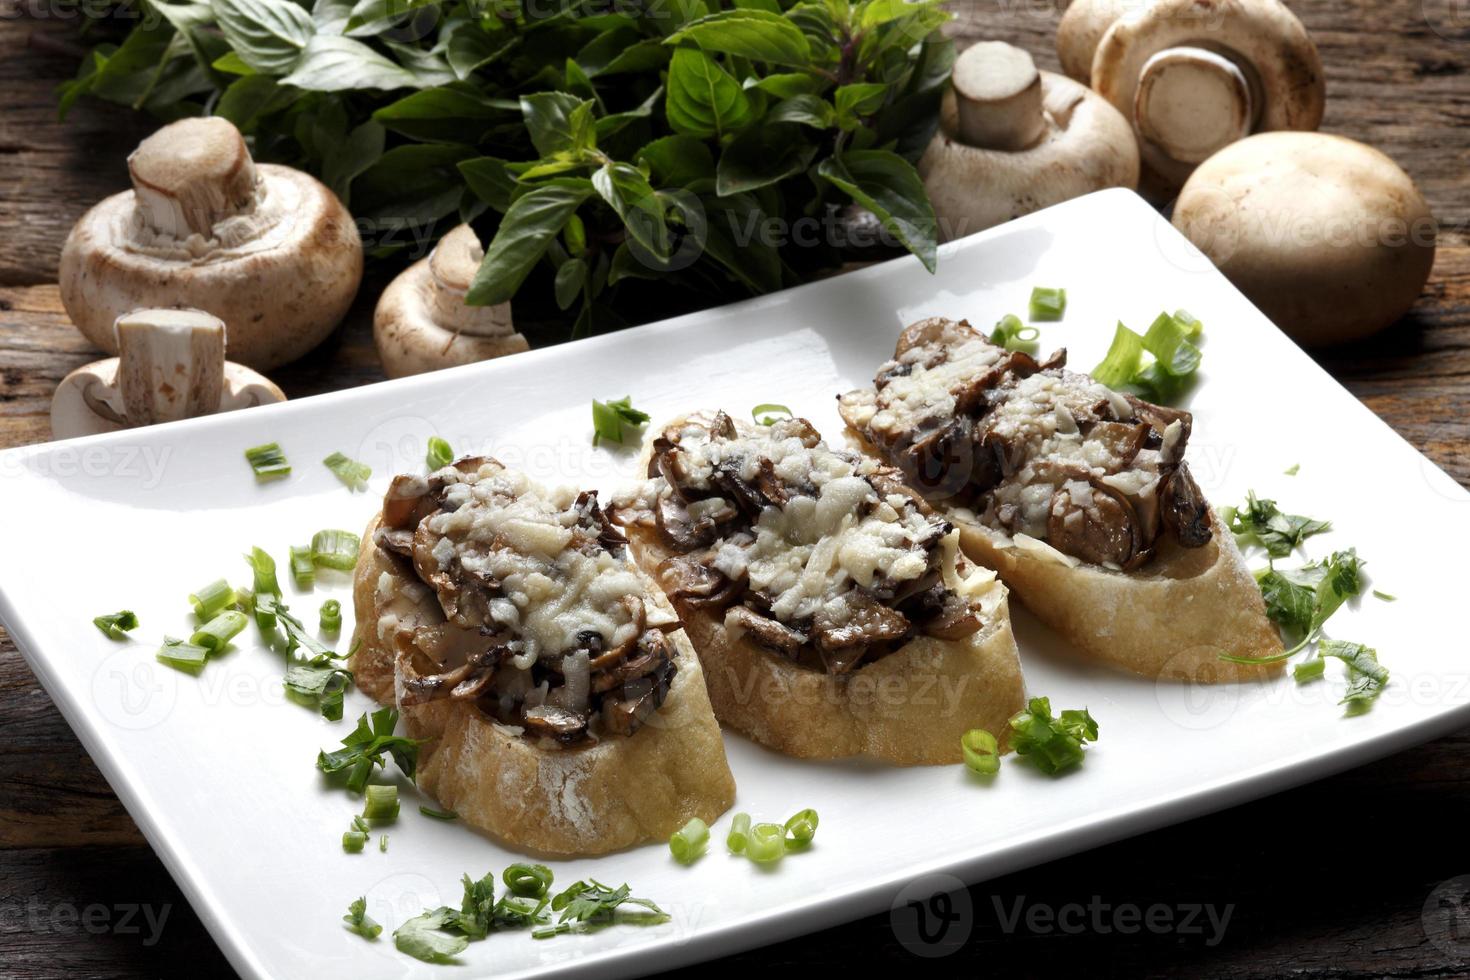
(1353, 876)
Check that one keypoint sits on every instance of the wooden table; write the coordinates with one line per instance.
(1334, 879)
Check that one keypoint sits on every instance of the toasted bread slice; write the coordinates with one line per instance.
(603, 793)
(907, 707)
(1178, 594)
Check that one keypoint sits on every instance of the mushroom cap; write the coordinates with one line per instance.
(281, 294)
(1262, 37)
(1329, 237)
(422, 323)
(73, 415)
(1087, 146)
(1081, 30)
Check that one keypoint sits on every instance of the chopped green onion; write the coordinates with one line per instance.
(1167, 340)
(1047, 304)
(116, 625)
(331, 616)
(1309, 670)
(214, 634)
(383, 844)
(1052, 744)
(1123, 359)
(353, 841)
(1385, 596)
(800, 830)
(335, 549)
(689, 842)
(1192, 327)
(769, 413)
(211, 599)
(439, 454)
(184, 656)
(527, 880)
(739, 835)
(438, 814)
(1012, 334)
(268, 461)
(303, 571)
(608, 419)
(358, 921)
(1293, 469)
(349, 471)
(981, 752)
(360, 825)
(264, 567)
(767, 843)
(380, 803)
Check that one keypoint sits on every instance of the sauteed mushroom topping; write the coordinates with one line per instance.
(819, 555)
(1032, 448)
(546, 624)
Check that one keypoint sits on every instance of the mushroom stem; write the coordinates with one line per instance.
(452, 268)
(171, 364)
(998, 97)
(1191, 102)
(190, 175)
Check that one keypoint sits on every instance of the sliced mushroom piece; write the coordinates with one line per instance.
(634, 606)
(422, 322)
(267, 249)
(722, 426)
(698, 584)
(1185, 510)
(865, 622)
(734, 487)
(766, 632)
(556, 723)
(652, 652)
(933, 330)
(938, 462)
(395, 540)
(671, 517)
(1122, 439)
(1159, 417)
(957, 618)
(639, 698)
(768, 484)
(1102, 532)
(407, 502)
(609, 538)
(170, 365)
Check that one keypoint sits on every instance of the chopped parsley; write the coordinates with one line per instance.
(364, 747)
(1260, 522)
(1366, 676)
(116, 625)
(1052, 744)
(358, 921)
(590, 904)
(608, 419)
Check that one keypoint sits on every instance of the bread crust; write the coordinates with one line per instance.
(908, 708)
(1169, 620)
(582, 801)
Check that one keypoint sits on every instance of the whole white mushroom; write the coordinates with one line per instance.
(268, 249)
(1330, 238)
(422, 323)
(1013, 140)
(170, 365)
(1194, 77)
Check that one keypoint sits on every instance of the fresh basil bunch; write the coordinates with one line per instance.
(685, 143)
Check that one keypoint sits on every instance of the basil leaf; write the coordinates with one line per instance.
(889, 186)
(703, 99)
(471, 47)
(570, 279)
(732, 238)
(759, 35)
(268, 35)
(454, 113)
(677, 160)
(250, 97)
(489, 179)
(529, 225)
(785, 85)
(559, 123)
(344, 162)
(627, 191)
(763, 155)
(861, 99)
(337, 64)
(808, 110)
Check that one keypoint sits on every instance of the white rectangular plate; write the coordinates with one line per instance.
(219, 770)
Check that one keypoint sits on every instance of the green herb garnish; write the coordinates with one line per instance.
(1366, 677)
(438, 814)
(1169, 374)
(268, 462)
(353, 841)
(590, 904)
(1385, 596)
(1260, 522)
(357, 920)
(981, 751)
(528, 880)
(1052, 744)
(1012, 334)
(354, 474)
(439, 455)
(1293, 469)
(608, 419)
(330, 617)
(380, 804)
(116, 625)
(211, 599)
(1308, 670)
(738, 839)
(214, 634)
(335, 549)
(364, 747)
(769, 413)
(801, 830)
(303, 568)
(321, 682)
(183, 656)
(424, 937)
(688, 842)
(1047, 304)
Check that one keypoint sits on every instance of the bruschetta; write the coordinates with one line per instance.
(562, 708)
(1078, 495)
(829, 606)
